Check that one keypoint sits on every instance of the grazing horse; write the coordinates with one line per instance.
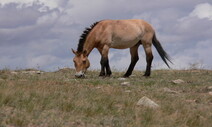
(118, 34)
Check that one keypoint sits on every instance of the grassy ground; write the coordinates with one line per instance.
(57, 99)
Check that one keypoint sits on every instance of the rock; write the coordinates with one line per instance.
(121, 79)
(170, 91)
(66, 70)
(98, 87)
(193, 101)
(209, 88)
(190, 101)
(178, 81)
(39, 72)
(146, 102)
(125, 84)
(210, 93)
(32, 72)
(127, 91)
(13, 72)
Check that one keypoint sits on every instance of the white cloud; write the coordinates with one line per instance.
(45, 4)
(47, 29)
(21, 2)
(202, 11)
(47, 19)
(150, 18)
(195, 55)
(41, 60)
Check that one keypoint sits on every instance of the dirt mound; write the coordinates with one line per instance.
(65, 70)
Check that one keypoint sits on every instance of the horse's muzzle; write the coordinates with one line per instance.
(79, 75)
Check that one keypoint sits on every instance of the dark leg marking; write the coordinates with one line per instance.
(108, 71)
(105, 67)
(102, 62)
(149, 58)
(131, 67)
(134, 59)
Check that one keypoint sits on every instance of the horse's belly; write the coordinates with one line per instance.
(123, 44)
(126, 38)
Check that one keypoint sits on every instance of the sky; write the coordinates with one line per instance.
(40, 33)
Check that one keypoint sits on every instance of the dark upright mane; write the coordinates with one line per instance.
(84, 36)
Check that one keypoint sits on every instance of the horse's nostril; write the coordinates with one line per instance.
(79, 76)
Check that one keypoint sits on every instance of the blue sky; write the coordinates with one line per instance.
(41, 33)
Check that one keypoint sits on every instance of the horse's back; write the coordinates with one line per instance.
(122, 33)
(131, 23)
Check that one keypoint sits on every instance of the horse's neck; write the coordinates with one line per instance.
(88, 46)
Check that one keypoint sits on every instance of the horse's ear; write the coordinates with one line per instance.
(75, 52)
(85, 52)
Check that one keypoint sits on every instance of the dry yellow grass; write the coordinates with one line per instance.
(58, 99)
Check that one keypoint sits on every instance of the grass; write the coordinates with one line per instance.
(57, 99)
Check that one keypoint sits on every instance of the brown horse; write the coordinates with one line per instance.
(118, 34)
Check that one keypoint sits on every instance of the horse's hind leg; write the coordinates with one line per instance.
(149, 57)
(105, 62)
(134, 59)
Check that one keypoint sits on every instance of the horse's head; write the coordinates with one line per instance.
(81, 63)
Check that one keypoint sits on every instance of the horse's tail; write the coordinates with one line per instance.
(160, 50)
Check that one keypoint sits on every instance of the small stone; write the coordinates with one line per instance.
(24, 72)
(121, 79)
(125, 84)
(127, 91)
(32, 72)
(170, 91)
(210, 93)
(13, 72)
(178, 81)
(146, 102)
(98, 87)
(209, 88)
(191, 101)
(39, 72)
(23, 80)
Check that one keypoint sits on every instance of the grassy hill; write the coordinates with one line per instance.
(56, 99)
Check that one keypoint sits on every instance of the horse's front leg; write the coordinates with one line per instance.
(105, 62)
(105, 67)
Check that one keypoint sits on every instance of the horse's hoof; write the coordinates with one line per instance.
(146, 75)
(101, 75)
(107, 75)
(125, 76)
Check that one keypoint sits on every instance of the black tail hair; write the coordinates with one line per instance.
(160, 50)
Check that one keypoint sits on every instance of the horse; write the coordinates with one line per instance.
(117, 34)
